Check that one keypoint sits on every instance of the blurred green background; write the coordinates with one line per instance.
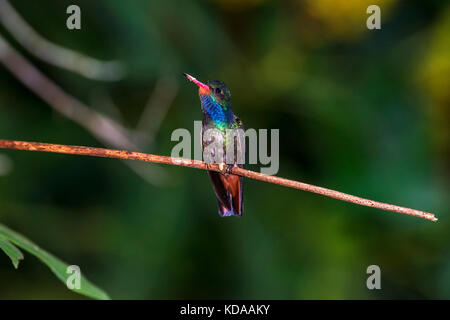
(364, 112)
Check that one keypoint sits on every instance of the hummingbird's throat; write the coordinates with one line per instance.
(220, 116)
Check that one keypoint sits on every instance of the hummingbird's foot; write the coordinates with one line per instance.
(225, 168)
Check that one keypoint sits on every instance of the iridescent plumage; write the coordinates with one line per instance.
(215, 101)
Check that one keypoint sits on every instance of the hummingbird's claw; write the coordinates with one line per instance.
(222, 168)
(225, 169)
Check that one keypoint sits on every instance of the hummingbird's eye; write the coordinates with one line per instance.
(218, 90)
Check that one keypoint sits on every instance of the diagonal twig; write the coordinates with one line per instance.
(102, 127)
(157, 107)
(128, 155)
(54, 54)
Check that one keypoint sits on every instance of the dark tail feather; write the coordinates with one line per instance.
(228, 189)
(224, 211)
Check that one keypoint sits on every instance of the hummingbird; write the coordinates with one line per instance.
(215, 101)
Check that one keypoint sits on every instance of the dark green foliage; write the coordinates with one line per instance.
(363, 112)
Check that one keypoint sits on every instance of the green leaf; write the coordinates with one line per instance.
(11, 251)
(58, 267)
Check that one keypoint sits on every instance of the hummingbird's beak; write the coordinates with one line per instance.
(198, 83)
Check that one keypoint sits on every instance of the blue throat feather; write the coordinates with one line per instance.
(222, 116)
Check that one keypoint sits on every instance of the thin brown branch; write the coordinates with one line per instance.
(128, 155)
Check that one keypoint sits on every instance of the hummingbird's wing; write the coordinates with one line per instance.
(227, 187)
(239, 158)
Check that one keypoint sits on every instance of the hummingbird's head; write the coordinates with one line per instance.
(213, 90)
(219, 91)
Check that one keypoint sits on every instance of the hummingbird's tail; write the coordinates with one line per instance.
(228, 189)
(225, 212)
